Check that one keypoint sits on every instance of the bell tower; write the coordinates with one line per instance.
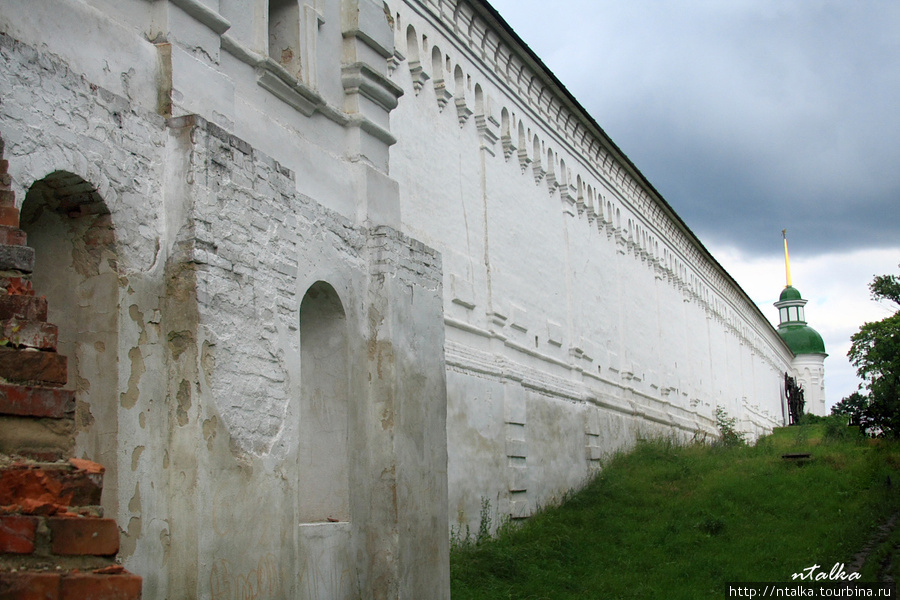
(804, 341)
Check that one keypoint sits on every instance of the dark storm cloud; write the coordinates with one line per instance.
(748, 116)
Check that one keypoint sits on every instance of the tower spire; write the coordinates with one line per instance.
(787, 260)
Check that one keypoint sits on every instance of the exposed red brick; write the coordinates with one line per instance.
(28, 401)
(12, 236)
(110, 570)
(75, 535)
(45, 490)
(90, 586)
(17, 534)
(101, 232)
(24, 333)
(88, 466)
(17, 285)
(50, 489)
(23, 307)
(7, 197)
(9, 216)
(28, 366)
(25, 585)
(43, 454)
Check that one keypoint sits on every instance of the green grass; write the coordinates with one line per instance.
(668, 521)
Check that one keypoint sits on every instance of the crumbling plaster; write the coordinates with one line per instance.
(554, 311)
(211, 249)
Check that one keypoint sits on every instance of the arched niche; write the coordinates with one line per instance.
(479, 101)
(460, 81)
(412, 45)
(324, 466)
(551, 167)
(76, 267)
(437, 65)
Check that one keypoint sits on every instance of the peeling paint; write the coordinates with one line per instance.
(210, 284)
(134, 505)
(179, 341)
(82, 384)
(385, 357)
(136, 457)
(130, 537)
(83, 417)
(184, 402)
(181, 284)
(207, 361)
(130, 397)
(387, 417)
(209, 431)
(165, 540)
(86, 261)
(138, 317)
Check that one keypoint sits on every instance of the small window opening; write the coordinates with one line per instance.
(284, 34)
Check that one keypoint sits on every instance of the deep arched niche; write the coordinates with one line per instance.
(324, 470)
(69, 226)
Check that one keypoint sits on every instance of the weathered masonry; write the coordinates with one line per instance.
(332, 275)
(51, 514)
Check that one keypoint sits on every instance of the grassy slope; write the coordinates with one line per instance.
(681, 522)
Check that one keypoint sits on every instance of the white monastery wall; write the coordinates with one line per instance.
(581, 313)
(323, 299)
(257, 350)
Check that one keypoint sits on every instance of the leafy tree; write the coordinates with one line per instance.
(886, 287)
(854, 407)
(875, 352)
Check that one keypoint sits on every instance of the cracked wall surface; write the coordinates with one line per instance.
(516, 301)
(183, 253)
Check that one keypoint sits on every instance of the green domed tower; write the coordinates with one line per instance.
(804, 341)
(792, 327)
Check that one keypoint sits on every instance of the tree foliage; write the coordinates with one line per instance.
(875, 352)
(886, 287)
(854, 407)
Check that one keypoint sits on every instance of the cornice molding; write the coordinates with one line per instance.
(204, 14)
(362, 78)
(275, 78)
(476, 30)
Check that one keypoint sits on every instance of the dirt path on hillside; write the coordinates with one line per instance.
(877, 539)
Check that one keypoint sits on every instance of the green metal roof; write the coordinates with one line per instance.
(789, 293)
(802, 339)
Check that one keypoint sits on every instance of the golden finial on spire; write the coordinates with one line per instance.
(787, 260)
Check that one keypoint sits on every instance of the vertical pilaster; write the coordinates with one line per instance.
(405, 531)
(369, 95)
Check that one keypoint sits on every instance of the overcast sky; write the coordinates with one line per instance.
(749, 117)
